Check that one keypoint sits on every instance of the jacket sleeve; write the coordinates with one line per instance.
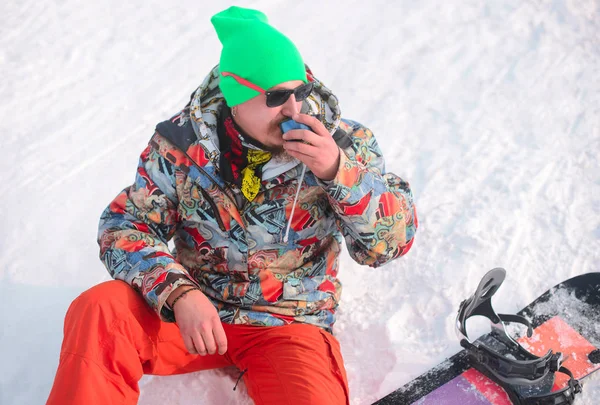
(135, 228)
(374, 209)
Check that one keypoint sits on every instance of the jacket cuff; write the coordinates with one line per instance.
(347, 177)
(173, 276)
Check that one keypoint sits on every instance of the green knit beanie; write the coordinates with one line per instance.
(255, 51)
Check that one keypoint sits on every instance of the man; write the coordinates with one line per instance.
(257, 218)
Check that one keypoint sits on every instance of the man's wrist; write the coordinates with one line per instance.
(177, 292)
(334, 169)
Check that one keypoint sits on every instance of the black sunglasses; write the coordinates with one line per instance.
(275, 98)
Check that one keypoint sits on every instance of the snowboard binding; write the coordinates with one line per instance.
(526, 378)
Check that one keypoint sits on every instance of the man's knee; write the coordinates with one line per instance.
(111, 298)
(111, 292)
(105, 311)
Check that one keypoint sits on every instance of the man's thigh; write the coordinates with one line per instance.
(293, 364)
(171, 356)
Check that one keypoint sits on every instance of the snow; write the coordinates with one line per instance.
(490, 109)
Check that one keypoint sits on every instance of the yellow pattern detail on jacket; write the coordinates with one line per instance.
(250, 181)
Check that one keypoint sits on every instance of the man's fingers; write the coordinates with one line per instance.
(189, 345)
(303, 135)
(220, 337)
(307, 160)
(209, 340)
(313, 122)
(199, 344)
(307, 150)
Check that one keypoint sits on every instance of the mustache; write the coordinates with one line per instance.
(279, 121)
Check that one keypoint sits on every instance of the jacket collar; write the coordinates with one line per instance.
(199, 120)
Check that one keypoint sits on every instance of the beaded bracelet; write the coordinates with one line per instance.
(181, 295)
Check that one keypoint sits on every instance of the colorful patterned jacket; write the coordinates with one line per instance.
(237, 255)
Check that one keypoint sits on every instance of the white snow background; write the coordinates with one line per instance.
(490, 109)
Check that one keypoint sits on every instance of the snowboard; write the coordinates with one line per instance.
(566, 319)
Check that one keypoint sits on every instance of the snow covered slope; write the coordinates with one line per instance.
(490, 109)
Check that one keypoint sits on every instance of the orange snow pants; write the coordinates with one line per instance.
(112, 337)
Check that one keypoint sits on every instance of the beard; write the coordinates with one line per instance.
(282, 157)
(278, 153)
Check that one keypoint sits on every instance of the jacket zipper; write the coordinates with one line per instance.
(214, 207)
(205, 194)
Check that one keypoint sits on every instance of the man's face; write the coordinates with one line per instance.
(262, 122)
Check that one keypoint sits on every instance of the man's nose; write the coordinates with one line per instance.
(290, 107)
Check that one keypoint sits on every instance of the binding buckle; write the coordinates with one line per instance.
(527, 378)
